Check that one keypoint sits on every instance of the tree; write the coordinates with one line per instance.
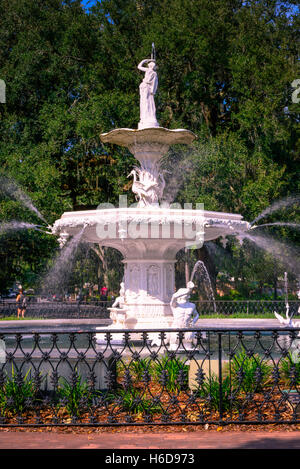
(225, 72)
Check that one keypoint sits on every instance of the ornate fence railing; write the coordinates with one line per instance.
(247, 307)
(89, 376)
(58, 309)
(99, 309)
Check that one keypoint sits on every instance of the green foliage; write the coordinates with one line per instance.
(23, 257)
(135, 372)
(256, 272)
(139, 367)
(290, 370)
(248, 373)
(228, 173)
(76, 396)
(171, 373)
(17, 394)
(225, 72)
(133, 401)
(210, 390)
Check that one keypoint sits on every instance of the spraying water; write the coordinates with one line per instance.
(288, 255)
(177, 167)
(16, 225)
(60, 271)
(288, 318)
(277, 205)
(279, 223)
(10, 188)
(286, 294)
(204, 277)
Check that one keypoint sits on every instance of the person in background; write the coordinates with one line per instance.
(103, 295)
(21, 302)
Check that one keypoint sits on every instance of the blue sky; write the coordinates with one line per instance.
(88, 3)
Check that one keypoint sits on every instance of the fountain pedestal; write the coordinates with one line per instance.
(148, 145)
(149, 256)
(149, 286)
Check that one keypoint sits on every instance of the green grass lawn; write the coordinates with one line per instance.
(238, 316)
(15, 318)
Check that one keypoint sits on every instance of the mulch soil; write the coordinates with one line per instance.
(175, 405)
(46, 416)
(268, 428)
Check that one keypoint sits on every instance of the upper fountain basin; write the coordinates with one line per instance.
(150, 144)
(118, 224)
(127, 137)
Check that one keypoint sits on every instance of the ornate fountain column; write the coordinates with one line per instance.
(149, 262)
(149, 266)
(148, 288)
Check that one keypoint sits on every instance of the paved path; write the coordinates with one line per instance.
(134, 441)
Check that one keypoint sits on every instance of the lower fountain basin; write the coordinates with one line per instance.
(148, 239)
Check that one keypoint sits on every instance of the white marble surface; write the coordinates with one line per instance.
(126, 137)
(148, 88)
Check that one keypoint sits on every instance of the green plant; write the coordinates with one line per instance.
(210, 390)
(139, 367)
(290, 370)
(132, 401)
(172, 373)
(248, 373)
(135, 368)
(17, 393)
(76, 396)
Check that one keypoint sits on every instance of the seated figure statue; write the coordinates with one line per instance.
(120, 300)
(184, 314)
(118, 311)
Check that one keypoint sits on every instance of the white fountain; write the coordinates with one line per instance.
(148, 235)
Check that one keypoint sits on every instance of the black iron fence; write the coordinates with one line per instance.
(57, 309)
(247, 307)
(90, 376)
(99, 309)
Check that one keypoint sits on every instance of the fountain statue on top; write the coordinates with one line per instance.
(147, 235)
(150, 184)
(150, 142)
(148, 88)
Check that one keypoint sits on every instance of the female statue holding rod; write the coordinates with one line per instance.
(148, 89)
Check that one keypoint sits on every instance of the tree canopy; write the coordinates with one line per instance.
(225, 68)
